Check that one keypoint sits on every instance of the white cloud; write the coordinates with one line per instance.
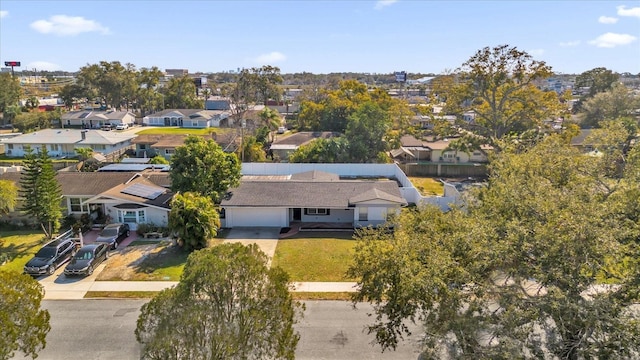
(623, 11)
(3, 13)
(607, 20)
(536, 52)
(570, 43)
(43, 65)
(270, 58)
(381, 4)
(63, 25)
(610, 40)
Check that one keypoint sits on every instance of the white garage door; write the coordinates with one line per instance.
(264, 217)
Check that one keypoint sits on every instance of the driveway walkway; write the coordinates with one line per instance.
(266, 238)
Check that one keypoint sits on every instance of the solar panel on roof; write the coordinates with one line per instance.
(84, 115)
(143, 191)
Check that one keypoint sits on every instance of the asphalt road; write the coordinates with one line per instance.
(104, 329)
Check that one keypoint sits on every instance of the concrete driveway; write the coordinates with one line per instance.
(265, 237)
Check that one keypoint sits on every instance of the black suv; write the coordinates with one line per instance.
(50, 257)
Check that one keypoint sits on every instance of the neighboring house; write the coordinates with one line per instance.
(311, 197)
(64, 142)
(284, 146)
(416, 150)
(129, 197)
(580, 143)
(95, 119)
(187, 118)
(164, 145)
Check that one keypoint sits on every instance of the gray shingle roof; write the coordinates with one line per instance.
(71, 136)
(334, 194)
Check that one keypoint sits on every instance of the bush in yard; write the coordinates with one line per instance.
(194, 219)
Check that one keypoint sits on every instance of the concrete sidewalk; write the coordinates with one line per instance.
(77, 290)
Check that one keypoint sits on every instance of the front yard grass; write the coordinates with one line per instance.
(19, 246)
(427, 186)
(316, 256)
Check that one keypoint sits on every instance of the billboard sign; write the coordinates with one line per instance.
(12, 63)
(401, 76)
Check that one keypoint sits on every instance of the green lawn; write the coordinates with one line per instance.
(427, 186)
(184, 131)
(20, 246)
(316, 256)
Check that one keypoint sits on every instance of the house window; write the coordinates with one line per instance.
(143, 146)
(132, 216)
(314, 211)
(449, 155)
(10, 146)
(54, 147)
(169, 151)
(98, 147)
(75, 204)
(363, 214)
(477, 153)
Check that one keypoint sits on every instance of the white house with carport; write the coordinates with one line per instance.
(64, 142)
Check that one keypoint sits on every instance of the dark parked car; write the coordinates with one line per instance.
(87, 259)
(50, 257)
(113, 234)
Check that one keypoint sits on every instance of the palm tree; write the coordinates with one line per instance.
(270, 119)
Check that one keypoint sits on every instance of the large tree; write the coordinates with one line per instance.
(499, 85)
(23, 324)
(228, 305)
(113, 83)
(366, 132)
(520, 272)
(40, 191)
(611, 104)
(181, 93)
(202, 166)
(10, 91)
(598, 80)
(194, 219)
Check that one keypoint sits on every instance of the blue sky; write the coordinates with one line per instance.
(317, 36)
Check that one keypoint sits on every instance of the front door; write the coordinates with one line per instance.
(132, 218)
(297, 214)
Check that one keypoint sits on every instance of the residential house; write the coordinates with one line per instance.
(580, 141)
(187, 118)
(311, 197)
(149, 146)
(129, 197)
(95, 119)
(282, 147)
(416, 150)
(217, 103)
(64, 142)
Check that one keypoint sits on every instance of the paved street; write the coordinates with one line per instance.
(104, 329)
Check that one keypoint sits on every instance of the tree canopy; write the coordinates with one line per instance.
(10, 91)
(541, 262)
(8, 196)
(228, 305)
(499, 85)
(598, 80)
(23, 324)
(194, 219)
(202, 166)
(614, 103)
(40, 191)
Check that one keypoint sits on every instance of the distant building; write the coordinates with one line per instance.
(176, 72)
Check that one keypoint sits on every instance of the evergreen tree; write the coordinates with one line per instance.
(41, 191)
